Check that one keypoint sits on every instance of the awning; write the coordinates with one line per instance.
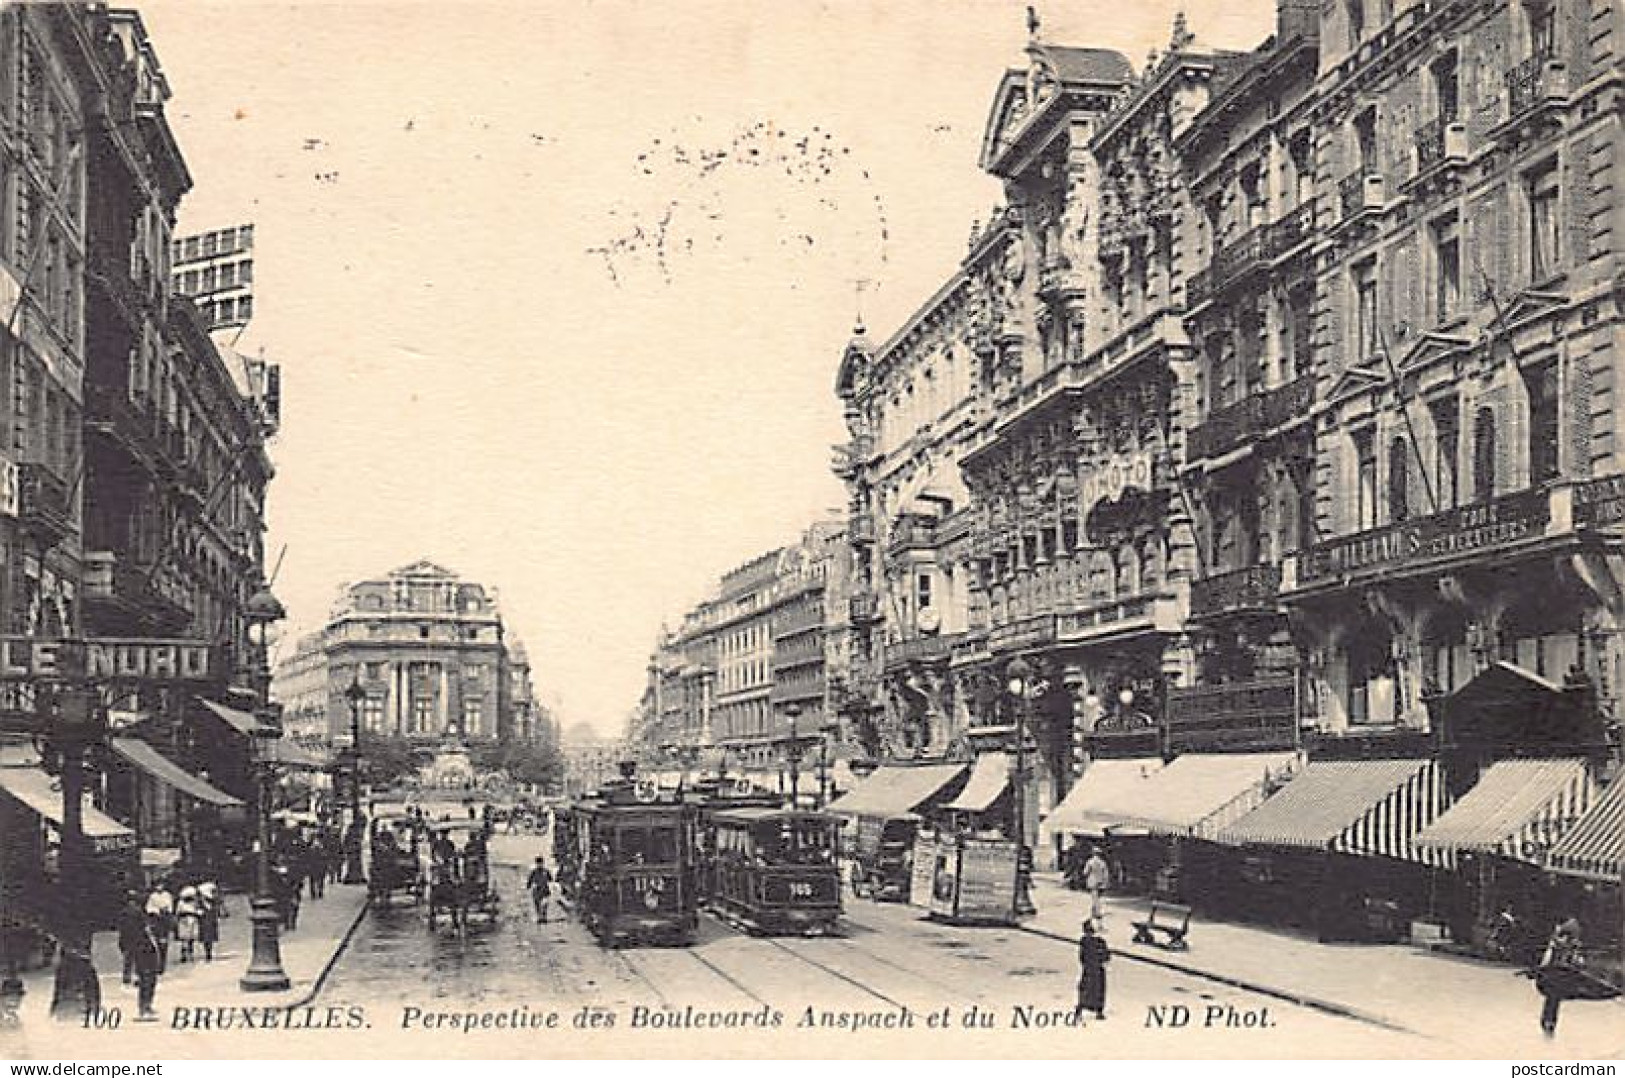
(1595, 847)
(1199, 794)
(1518, 809)
(1109, 793)
(168, 772)
(285, 753)
(896, 791)
(1349, 806)
(241, 721)
(39, 793)
(989, 778)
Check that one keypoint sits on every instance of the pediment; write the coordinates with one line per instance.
(1010, 111)
(1357, 380)
(425, 568)
(1529, 305)
(1431, 347)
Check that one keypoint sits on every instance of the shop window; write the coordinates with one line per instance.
(1371, 700)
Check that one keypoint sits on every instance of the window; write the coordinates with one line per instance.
(1543, 222)
(1399, 471)
(1484, 455)
(1356, 22)
(375, 671)
(1446, 439)
(1541, 383)
(1365, 310)
(1300, 324)
(1447, 268)
(423, 632)
(1252, 197)
(1446, 86)
(1303, 166)
(473, 716)
(372, 714)
(1221, 357)
(422, 714)
(1542, 28)
(1365, 485)
(1365, 140)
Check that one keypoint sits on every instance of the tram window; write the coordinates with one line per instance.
(663, 845)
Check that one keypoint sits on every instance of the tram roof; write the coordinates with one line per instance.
(758, 813)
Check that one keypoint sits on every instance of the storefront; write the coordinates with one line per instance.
(138, 775)
(1585, 866)
(1497, 835)
(1095, 813)
(1342, 833)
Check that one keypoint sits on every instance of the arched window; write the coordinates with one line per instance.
(1399, 506)
(1484, 455)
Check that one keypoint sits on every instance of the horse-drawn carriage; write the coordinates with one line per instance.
(396, 860)
(460, 888)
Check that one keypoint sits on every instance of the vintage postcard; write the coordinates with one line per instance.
(767, 528)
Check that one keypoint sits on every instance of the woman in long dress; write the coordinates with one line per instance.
(188, 921)
(1093, 954)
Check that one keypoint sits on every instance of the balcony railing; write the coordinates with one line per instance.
(1292, 229)
(1199, 288)
(1118, 614)
(861, 529)
(1539, 80)
(44, 502)
(157, 593)
(911, 532)
(863, 608)
(1250, 589)
(1262, 713)
(1359, 192)
(1440, 139)
(1239, 257)
(1037, 630)
(1251, 417)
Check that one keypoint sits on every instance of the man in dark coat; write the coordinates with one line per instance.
(148, 963)
(132, 921)
(1093, 954)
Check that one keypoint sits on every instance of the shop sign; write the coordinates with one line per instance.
(10, 490)
(1498, 523)
(1109, 480)
(28, 658)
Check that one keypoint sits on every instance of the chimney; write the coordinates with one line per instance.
(1296, 18)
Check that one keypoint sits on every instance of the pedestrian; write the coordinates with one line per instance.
(1097, 876)
(1561, 966)
(1093, 954)
(132, 922)
(314, 867)
(161, 907)
(540, 885)
(210, 912)
(188, 914)
(285, 886)
(149, 966)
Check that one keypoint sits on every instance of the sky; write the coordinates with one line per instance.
(559, 289)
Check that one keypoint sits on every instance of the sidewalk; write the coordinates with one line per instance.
(325, 925)
(1482, 1008)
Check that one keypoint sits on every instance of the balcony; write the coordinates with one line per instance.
(126, 420)
(1360, 193)
(799, 619)
(1538, 82)
(1035, 631)
(863, 608)
(1259, 715)
(1291, 230)
(937, 648)
(44, 503)
(1057, 280)
(155, 596)
(1440, 141)
(1249, 590)
(1199, 288)
(912, 532)
(1251, 418)
(1145, 612)
(860, 529)
(1238, 258)
(811, 689)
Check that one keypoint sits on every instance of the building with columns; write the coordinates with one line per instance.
(430, 652)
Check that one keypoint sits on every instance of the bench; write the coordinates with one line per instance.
(1167, 918)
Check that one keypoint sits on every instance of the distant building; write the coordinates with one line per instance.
(215, 270)
(429, 652)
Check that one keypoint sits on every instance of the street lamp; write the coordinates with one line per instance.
(354, 695)
(265, 972)
(1023, 687)
(794, 711)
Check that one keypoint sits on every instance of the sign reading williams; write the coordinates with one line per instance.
(1498, 522)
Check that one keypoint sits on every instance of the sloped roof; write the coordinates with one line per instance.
(1073, 64)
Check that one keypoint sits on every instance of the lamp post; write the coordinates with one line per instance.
(1022, 686)
(354, 695)
(794, 711)
(265, 972)
(823, 765)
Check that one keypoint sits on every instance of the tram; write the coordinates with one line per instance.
(774, 870)
(631, 865)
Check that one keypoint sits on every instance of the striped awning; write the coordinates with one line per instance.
(1200, 794)
(1371, 807)
(1109, 793)
(1518, 809)
(1595, 846)
(989, 777)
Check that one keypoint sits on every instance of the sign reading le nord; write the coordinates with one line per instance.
(29, 658)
